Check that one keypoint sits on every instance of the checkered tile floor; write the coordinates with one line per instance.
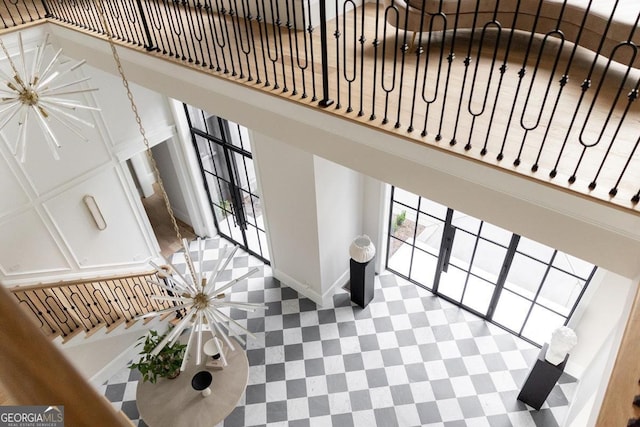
(408, 359)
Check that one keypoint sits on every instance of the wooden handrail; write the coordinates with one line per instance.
(63, 283)
(35, 372)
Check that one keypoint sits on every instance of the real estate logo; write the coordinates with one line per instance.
(31, 416)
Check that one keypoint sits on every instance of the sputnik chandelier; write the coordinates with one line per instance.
(37, 92)
(203, 303)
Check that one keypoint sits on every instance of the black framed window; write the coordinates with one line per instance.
(521, 285)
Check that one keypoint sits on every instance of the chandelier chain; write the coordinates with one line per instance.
(143, 133)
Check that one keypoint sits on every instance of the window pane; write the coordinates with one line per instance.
(560, 291)
(511, 311)
(403, 222)
(535, 249)
(452, 283)
(540, 324)
(466, 222)
(429, 234)
(433, 208)
(401, 258)
(496, 234)
(488, 260)
(423, 269)
(462, 250)
(478, 294)
(573, 265)
(405, 197)
(525, 275)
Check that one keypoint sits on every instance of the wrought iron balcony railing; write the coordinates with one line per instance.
(544, 88)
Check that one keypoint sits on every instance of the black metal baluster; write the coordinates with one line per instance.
(155, 21)
(586, 84)
(521, 73)
(336, 35)
(383, 73)
(450, 57)
(197, 35)
(361, 40)
(375, 44)
(279, 38)
(237, 34)
(632, 96)
(419, 51)
(466, 62)
(302, 67)
(149, 43)
(186, 21)
(210, 39)
(259, 20)
(404, 48)
(248, 30)
(527, 128)
(135, 28)
(268, 48)
(563, 83)
(349, 75)
(176, 29)
(183, 29)
(222, 12)
(324, 40)
(427, 61)
(289, 26)
(474, 79)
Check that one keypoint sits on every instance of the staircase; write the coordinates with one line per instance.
(65, 310)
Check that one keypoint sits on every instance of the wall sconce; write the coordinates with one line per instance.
(94, 210)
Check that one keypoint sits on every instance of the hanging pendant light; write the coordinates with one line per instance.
(37, 92)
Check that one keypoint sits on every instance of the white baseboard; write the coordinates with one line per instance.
(304, 289)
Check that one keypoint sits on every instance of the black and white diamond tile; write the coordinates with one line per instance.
(408, 359)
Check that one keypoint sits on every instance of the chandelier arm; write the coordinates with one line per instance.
(222, 322)
(68, 103)
(57, 114)
(183, 365)
(116, 57)
(73, 92)
(37, 62)
(200, 264)
(236, 280)
(199, 323)
(165, 298)
(21, 144)
(212, 321)
(210, 281)
(185, 283)
(11, 115)
(45, 78)
(48, 134)
(192, 269)
(23, 58)
(171, 334)
(229, 319)
(62, 86)
(163, 311)
(53, 107)
(172, 290)
(11, 63)
(244, 306)
(220, 352)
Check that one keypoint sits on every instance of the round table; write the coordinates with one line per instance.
(174, 403)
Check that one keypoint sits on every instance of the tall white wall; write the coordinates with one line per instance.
(169, 175)
(287, 184)
(339, 199)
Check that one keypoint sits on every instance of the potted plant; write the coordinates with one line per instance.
(166, 364)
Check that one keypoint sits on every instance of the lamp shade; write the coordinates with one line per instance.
(362, 249)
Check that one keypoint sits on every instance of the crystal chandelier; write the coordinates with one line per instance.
(37, 92)
(197, 294)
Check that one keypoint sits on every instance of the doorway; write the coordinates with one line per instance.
(520, 285)
(224, 154)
